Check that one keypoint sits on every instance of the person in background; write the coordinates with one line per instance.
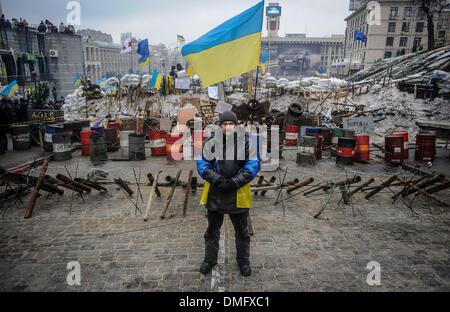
(42, 28)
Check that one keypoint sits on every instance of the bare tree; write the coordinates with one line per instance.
(432, 8)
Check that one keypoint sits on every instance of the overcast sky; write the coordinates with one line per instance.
(162, 20)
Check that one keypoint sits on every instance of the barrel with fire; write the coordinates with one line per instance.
(362, 153)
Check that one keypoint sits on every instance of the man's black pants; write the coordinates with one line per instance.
(212, 237)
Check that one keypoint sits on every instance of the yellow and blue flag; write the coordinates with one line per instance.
(180, 39)
(156, 81)
(230, 49)
(321, 72)
(144, 51)
(76, 83)
(10, 89)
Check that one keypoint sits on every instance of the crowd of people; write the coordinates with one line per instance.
(43, 27)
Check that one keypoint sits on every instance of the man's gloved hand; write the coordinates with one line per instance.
(219, 181)
(227, 185)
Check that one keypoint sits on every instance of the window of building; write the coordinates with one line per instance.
(421, 13)
(392, 26)
(408, 12)
(405, 26)
(443, 23)
(441, 34)
(419, 27)
(387, 54)
(416, 44)
(393, 13)
(389, 41)
(403, 41)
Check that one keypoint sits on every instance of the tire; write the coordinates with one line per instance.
(295, 110)
(254, 105)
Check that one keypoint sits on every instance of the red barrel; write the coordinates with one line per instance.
(174, 146)
(405, 136)
(394, 149)
(362, 148)
(425, 147)
(292, 135)
(114, 125)
(85, 139)
(158, 142)
(345, 151)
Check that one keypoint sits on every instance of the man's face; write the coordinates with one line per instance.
(228, 127)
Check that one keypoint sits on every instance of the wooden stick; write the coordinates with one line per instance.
(172, 191)
(188, 190)
(150, 199)
(35, 194)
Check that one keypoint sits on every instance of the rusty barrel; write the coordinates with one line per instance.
(405, 136)
(393, 145)
(362, 147)
(85, 142)
(345, 151)
(327, 135)
(425, 146)
(306, 150)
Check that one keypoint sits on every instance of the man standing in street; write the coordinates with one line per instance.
(227, 190)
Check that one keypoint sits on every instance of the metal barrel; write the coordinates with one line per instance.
(124, 142)
(62, 149)
(306, 150)
(362, 147)
(3, 142)
(157, 142)
(405, 135)
(345, 151)
(425, 147)
(77, 127)
(21, 137)
(112, 140)
(98, 148)
(292, 132)
(137, 146)
(50, 130)
(393, 145)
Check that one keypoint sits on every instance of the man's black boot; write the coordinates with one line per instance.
(245, 269)
(206, 267)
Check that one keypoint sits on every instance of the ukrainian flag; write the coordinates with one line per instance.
(321, 72)
(230, 49)
(10, 89)
(76, 83)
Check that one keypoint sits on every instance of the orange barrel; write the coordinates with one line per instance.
(157, 142)
(405, 136)
(345, 151)
(85, 141)
(362, 148)
(394, 149)
(292, 135)
(425, 147)
(174, 146)
(199, 139)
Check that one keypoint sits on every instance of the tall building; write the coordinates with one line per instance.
(54, 57)
(95, 35)
(392, 28)
(296, 54)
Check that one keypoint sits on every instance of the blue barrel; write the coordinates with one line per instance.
(313, 131)
(98, 130)
(50, 130)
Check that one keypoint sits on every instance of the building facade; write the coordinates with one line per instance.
(53, 57)
(392, 28)
(296, 54)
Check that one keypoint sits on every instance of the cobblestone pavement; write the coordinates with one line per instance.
(118, 251)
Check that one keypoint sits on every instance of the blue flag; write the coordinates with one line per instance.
(144, 51)
(359, 36)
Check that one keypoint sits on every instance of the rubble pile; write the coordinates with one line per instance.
(419, 67)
